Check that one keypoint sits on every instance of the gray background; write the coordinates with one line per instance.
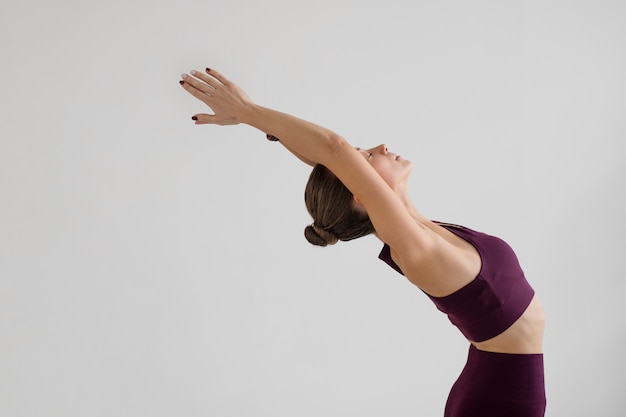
(149, 267)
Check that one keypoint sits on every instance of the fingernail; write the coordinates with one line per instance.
(208, 70)
(194, 118)
(192, 72)
(183, 76)
(181, 82)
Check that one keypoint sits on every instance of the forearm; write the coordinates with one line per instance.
(309, 142)
(231, 105)
(300, 157)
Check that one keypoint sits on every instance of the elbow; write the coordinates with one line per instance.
(337, 144)
(336, 141)
(331, 150)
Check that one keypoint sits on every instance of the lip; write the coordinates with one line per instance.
(397, 157)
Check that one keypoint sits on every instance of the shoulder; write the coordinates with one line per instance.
(448, 263)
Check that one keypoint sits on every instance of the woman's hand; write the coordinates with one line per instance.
(228, 102)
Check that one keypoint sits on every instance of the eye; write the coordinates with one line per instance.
(369, 155)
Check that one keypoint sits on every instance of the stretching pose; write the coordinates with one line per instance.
(473, 277)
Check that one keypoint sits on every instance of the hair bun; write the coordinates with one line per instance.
(318, 236)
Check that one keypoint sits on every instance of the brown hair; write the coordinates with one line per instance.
(333, 209)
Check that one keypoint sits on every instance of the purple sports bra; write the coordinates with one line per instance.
(495, 299)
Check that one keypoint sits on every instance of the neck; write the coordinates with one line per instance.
(403, 192)
(414, 213)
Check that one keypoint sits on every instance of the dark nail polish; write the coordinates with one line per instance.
(208, 70)
(194, 118)
(181, 82)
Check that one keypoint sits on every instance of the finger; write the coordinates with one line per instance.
(219, 77)
(212, 81)
(199, 84)
(191, 89)
(203, 119)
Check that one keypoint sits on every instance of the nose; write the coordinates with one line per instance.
(382, 148)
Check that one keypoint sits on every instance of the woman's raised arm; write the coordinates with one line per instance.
(231, 105)
(315, 144)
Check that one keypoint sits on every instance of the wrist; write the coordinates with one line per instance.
(248, 114)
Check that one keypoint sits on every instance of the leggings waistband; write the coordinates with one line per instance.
(499, 384)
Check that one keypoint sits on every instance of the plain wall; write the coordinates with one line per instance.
(150, 267)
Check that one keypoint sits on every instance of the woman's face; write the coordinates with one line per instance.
(391, 167)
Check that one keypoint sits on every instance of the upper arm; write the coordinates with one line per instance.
(393, 223)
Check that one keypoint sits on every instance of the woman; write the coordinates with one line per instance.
(473, 277)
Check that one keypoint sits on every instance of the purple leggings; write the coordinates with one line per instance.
(498, 385)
